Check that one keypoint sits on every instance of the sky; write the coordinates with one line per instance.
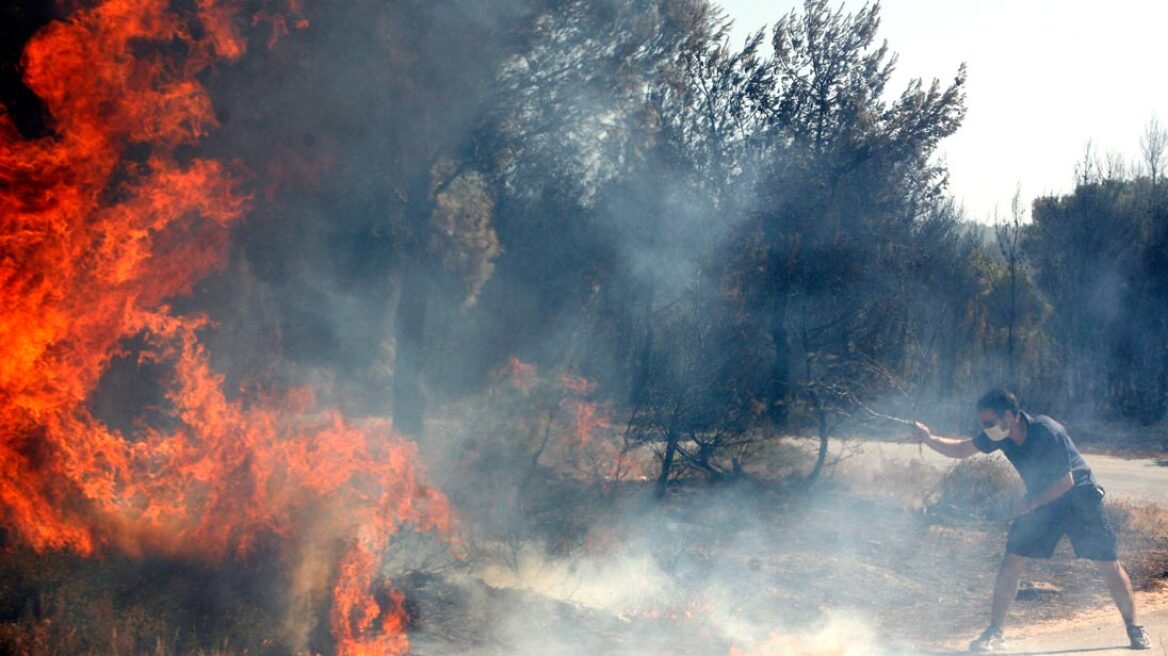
(1046, 77)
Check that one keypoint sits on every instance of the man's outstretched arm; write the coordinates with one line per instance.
(946, 446)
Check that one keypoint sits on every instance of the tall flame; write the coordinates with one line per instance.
(101, 224)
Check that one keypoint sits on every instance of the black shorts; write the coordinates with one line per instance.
(1079, 514)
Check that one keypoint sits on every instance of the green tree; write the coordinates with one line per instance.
(1008, 234)
(1078, 246)
(849, 178)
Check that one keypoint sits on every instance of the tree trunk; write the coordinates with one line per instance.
(781, 368)
(642, 366)
(666, 463)
(949, 354)
(1011, 366)
(821, 457)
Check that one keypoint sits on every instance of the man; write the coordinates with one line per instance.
(1061, 498)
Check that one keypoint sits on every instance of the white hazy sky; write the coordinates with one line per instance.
(1045, 78)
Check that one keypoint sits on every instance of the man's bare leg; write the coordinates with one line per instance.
(1119, 585)
(1006, 587)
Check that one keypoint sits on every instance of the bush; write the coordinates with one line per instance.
(1145, 520)
(978, 487)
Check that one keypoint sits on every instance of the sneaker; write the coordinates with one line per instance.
(990, 640)
(1138, 636)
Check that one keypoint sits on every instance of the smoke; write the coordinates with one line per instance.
(620, 580)
(483, 171)
(708, 573)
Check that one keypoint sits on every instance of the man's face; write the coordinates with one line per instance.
(996, 428)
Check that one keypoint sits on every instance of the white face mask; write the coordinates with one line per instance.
(997, 433)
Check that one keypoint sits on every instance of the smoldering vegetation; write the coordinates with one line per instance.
(603, 264)
(885, 560)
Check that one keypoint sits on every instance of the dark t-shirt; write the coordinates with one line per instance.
(1046, 456)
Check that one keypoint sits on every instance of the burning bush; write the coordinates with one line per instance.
(531, 459)
(105, 223)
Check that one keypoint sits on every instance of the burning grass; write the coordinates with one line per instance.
(753, 567)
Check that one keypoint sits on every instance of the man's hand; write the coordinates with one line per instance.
(919, 433)
(1053, 491)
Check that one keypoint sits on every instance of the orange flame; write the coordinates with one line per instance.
(586, 443)
(577, 385)
(521, 374)
(92, 244)
(589, 420)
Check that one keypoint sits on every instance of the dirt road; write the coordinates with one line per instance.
(1097, 633)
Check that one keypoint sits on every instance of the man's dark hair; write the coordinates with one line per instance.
(999, 400)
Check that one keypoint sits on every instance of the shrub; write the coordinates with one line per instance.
(978, 487)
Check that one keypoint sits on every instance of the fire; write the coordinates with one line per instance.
(521, 374)
(588, 415)
(596, 447)
(577, 385)
(584, 440)
(94, 241)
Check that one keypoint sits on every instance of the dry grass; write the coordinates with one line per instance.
(909, 547)
(63, 605)
(1143, 538)
(124, 635)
